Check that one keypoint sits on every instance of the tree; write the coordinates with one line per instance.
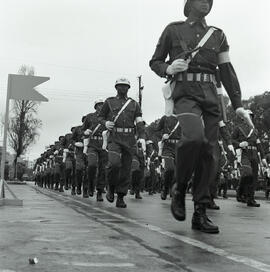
(23, 126)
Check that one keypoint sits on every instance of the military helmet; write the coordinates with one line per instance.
(122, 80)
(98, 101)
(187, 6)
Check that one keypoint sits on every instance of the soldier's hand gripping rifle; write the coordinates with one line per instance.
(166, 137)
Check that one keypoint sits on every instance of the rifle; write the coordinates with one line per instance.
(220, 96)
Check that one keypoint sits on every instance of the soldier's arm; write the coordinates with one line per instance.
(103, 114)
(160, 124)
(86, 124)
(235, 138)
(224, 133)
(158, 62)
(228, 75)
(140, 124)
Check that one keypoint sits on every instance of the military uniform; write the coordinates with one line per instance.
(247, 141)
(69, 162)
(121, 142)
(137, 171)
(167, 124)
(196, 106)
(80, 159)
(152, 164)
(97, 157)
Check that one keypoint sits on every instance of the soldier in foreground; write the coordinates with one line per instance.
(119, 114)
(195, 102)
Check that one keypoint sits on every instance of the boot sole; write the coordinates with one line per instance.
(111, 200)
(179, 218)
(195, 227)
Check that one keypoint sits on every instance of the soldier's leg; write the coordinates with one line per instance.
(122, 186)
(92, 170)
(113, 169)
(187, 154)
(169, 167)
(79, 179)
(252, 184)
(101, 178)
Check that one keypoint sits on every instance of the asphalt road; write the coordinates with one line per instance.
(68, 233)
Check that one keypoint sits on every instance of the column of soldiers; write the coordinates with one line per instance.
(109, 152)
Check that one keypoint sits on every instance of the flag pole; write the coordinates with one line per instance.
(3, 160)
(3, 201)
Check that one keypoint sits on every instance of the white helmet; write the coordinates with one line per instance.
(98, 101)
(122, 80)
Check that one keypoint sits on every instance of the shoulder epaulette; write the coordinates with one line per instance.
(216, 28)
(176, 23)
(111, 97)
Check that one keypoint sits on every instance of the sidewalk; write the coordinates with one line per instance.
(65, 240)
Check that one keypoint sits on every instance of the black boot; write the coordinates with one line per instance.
(61, 190)
(131, 192)
(79, 190)
(99, 196)
(252, 203)
(201, 222)
(85, 193)
(163, 194)
(110, 194)
(212, 205)
(120, 203)
(138, 195)
(73, 192)
(178, 208)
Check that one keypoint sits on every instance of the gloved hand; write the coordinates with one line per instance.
(264, 162)
(242, 113)
(142, 141)
(165, 137)
(87, 132)
(231, 148)
(178, 65)
(243, 144)
(109, 125)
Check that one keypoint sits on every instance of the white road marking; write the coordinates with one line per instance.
(217, 251)
(130, 265)
(108, 252)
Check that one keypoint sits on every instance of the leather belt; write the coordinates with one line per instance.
(196, 77)
(124, 130)
(252, 147)
(172, 141)
(99, 138)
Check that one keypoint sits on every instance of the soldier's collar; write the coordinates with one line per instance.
(119, 97)
(193, 21)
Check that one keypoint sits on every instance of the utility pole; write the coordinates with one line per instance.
(140, 90)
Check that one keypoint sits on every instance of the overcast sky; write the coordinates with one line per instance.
(85, 45)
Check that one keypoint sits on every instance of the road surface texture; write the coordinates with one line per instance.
(69, 233)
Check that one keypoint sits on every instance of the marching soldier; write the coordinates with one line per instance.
(137, 171)
(195, 51)
(80, 159)
(119, 114)
(97, 157)
(152, 163)
(171, 134)
(246, 139)
(58, 167)
(69, 161)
